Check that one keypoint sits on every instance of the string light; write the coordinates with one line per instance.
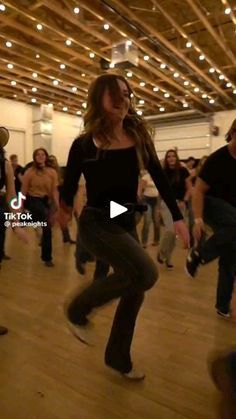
(146, 57)
(106, 27)
(76, 10)
(65, 109)
(176, 75)
(74, 89)
(185, 105)
(186, 83)
(221, 77)
(91, 54)
(128, 43)
(33, 100)
(37, 56)
(234, 91)
(211, 101)
(112, 65)
(8, 44)
(139, 113)
(229, 84)
(166, 94)
(2, 8)
(196, 89)
(39, 27)
(204, 95)
(62, 66)
(10, 66)
(227, 10)
(162, 109)
(212, 70)
(84, 104)
(155, 89)
(55, 82)
(68, 42)
(13, 83)
(83, 74)
(201, 57)
(141, 102)
(188, 44)
(35, 75)
(34, 89)
(142, 84)
(78, 113)
(129, 74)
(163, 66)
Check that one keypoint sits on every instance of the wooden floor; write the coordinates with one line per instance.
(47, 374)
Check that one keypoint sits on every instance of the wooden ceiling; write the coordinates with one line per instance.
(187, 51)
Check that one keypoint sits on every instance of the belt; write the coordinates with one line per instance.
(132, 208)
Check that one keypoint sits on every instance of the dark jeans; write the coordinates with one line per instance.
(83, 256)
(2, 233)
(221, 217)
(151, 215)
(134, 273)
(39, 208)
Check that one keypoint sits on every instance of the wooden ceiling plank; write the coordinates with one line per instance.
(55, 7)
(212, 31)
(36, 5)
(34, 17)
(160, 37)
(184, 34)
(48, 55)
(16, 25)
(93, 9)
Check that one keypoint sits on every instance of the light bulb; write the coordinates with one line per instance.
(227, 10)
(166, 94)
(212, 70)
(146, 57)
(55, 82)
(68, 42)
(139, 113)
(196, 89)
(37, 56)
(185, 105)
(8, 44)
(112, 65)
(39, 27)
(211, 101)
(10, 66)
(129, 74)
(74, 89)
(35, 75)
(34, 89)
(204, 95)
(65, 109)
(106, 26)
(142, 84)
(201, 57)
(221, 76)
(91, 54)
(13, 83)
(176, 75)
(186, 83)
(33, 100)
(2, 8)
(188, 44)
(76, 10)
(78, 112)
(155, 89)
(162, 109)
(229, 84)
(141, 102)
(163, 66)
(62, 66)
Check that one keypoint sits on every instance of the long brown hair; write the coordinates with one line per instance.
(35, 164)
(98, 124)
(173, 174)
(228, 136)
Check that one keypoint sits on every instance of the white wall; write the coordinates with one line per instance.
(18, 118)
(66, 128)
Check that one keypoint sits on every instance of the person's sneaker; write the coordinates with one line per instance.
(221, 366)
(192, 262)
(49, 264)
(134, 375)
(224, 314)
(169, 266)
(3, 330)
(84, 333)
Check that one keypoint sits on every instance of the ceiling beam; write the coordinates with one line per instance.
(184, 34)
(212, 31)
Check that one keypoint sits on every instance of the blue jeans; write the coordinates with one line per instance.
(134, 273)
(151, 215)
(221, 217)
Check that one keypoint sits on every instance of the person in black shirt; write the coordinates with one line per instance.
(114, 148)
(18, 171)
(214, 202)
(179, 179)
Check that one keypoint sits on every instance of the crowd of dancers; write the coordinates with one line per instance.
(115, 160)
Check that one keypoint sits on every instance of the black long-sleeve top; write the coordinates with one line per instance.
(111, 175)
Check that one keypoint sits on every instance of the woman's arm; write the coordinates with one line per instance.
(25, 182)
(72, 173)
(10, 185)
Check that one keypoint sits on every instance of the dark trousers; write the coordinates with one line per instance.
(39, 208)
(221, 216)
(134, 273)
(2, 233)
(83, 256)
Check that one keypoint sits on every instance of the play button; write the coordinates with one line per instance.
(116, 209)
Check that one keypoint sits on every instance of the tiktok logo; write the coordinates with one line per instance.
(16, 203)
